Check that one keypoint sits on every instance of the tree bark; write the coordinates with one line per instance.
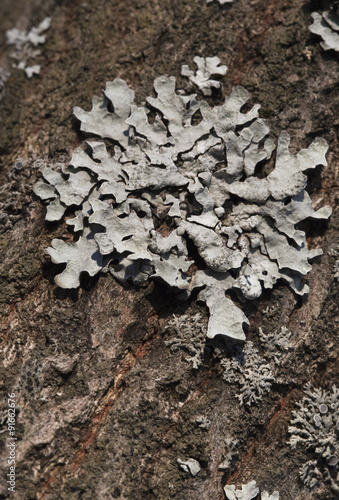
(104, 408)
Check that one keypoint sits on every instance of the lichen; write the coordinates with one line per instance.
(248, 491)
(336, 270)
(4, 75)
(326, 25)
(23, 43)
(207, 67)
(190, 465)
(189, 336)
(232, 452)
(276, 343)
(172, 180)
(315, 427)
(249, 370)
(253, 372)
(203, 422)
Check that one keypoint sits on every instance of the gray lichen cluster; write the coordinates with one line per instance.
(326, 25)
(249, 370)
(248, 491)
(254, 373)
(276, 343)
(315, 426)
(183, 171)
(23, 43)
(189, 336)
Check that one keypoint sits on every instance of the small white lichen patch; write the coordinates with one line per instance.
(4, 75)
(190, 465)
(315, 426)
(276, 343)
(334, 252)
(203, 422)
(23, 42)
(249, 370)
(336, 270)
(248, 491)
(326, 25)
(35, 37)
(172, 182)
(266, 496)
(207, 67)
(230, 454)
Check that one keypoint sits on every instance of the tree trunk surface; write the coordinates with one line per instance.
(104, 408)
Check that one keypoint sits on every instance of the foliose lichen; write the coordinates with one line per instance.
(207, 67)
(326, 25)
(23, 43)
(190, 465)
(248, 491)
(184, 172)
(315, 426)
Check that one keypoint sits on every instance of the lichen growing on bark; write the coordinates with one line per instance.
(171, 181)
(326, 25)
(22, 44)
(252, 372)
(315, 426)
(207, 67)
(248, 491)
(189, 337)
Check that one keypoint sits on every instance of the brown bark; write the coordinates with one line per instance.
(105, 409)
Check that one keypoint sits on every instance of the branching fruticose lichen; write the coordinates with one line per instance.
(254, 373)
(184, 172)
(189, 337)
(315, 426)
(250, 371)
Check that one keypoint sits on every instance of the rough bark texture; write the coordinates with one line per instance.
(104, 408)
